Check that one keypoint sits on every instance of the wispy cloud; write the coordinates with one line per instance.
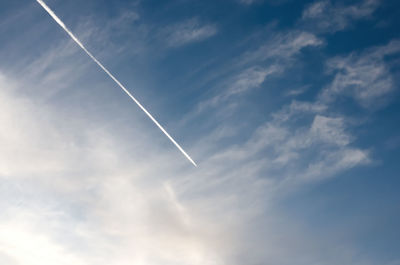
(323, 16)
(321, 143)
(283, 46)
(364, 76)
(251, 78)
(246, 81)
(271, 58)
(188, 31)
(297, 91)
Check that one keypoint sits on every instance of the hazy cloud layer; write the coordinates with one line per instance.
(119, 211)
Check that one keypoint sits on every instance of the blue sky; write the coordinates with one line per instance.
(290, 109)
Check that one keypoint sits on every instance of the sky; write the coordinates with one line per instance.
(288, 107)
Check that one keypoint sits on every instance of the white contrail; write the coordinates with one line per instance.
(54, 16)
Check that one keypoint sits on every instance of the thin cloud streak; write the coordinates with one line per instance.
(55, 17)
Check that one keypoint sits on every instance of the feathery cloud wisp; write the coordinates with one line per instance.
(323, 16)
(365, 76)
(188, 31)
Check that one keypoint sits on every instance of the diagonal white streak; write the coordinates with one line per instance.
(54, 16)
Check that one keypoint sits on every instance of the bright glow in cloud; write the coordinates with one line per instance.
(54, 16)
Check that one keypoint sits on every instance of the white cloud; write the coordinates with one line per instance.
(298, 107)
(324, 16)
(315, 150)
(269, 59)
(320, 149)
(188, 31)
(283, 46)
(336, 162)
(364, 76)
(246, 81)
(251, 78)
(297, 91)
(330, 130)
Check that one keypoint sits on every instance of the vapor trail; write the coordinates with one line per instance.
(54, 16)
